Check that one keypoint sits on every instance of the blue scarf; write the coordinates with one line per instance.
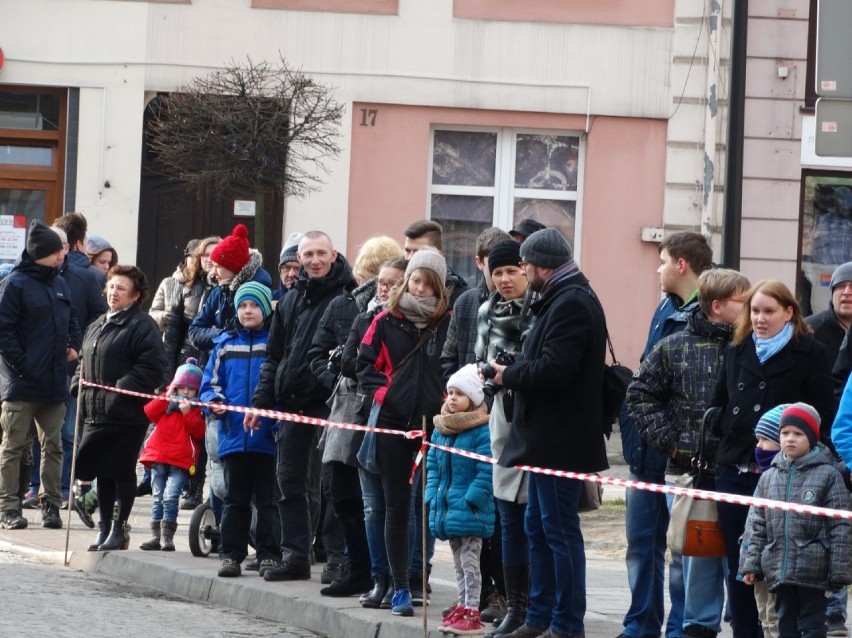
(766, 348)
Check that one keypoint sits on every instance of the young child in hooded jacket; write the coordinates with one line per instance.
(801, 556)
(459, 492)
(248, 455)
(172, 451)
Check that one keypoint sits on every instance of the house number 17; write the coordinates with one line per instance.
(368, 117)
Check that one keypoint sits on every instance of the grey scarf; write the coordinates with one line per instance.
(417, 309)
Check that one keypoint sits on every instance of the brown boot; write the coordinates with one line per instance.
(154, 543)
(169, 528)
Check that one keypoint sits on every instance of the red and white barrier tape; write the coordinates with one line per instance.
(719, 497)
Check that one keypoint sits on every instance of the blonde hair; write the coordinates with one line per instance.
(192, 269)
(373, 253)
(718, 284)
(780, 293)
(435, 283)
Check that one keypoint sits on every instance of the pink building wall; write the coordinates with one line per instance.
(647, 13)
(623, 192)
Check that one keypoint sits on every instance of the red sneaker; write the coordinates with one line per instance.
(450, 616)
(465, 624)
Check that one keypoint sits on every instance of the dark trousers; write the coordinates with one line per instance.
(295, 442)
(395, 456)
(250, 477)
(744, 620)
(801, 612)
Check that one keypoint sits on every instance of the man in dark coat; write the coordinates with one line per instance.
(558, 388)
(286, 381)
(39, 335)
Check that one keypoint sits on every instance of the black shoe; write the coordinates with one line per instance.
(143, 488)
(349, 585)
(699, 631)
(78, 506)
(332, 572)
(417, 597)
(373, 598)
(119, 537)
(387, 601)
(50, 516)
(288, 570)
(12, 519)
(252, 564)
(229, 569)
(494, 610)
(265, 565)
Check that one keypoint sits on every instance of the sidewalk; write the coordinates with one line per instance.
(296, 603)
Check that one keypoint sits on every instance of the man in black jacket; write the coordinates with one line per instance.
(286, 381)
(558, 387)
(39, 335)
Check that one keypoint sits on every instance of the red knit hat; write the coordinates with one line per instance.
(233, 251)
(804, 417)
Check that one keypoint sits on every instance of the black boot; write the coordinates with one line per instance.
(194, 494)
(119, 537)
(373, 598)
(517, 598)
(154, 543)
(357, 580)
(103, 527)
(169, 529)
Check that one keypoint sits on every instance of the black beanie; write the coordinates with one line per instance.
(504, 253)
(546, 248)
(41, 240)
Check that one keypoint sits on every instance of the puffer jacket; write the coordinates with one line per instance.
(218, 314)
(670, 392)
(789, 548)
(185, 308)
(458, 496)
(230, 377)
(176, 440)
(37, 325)
(417, 388)
(286, 378)
(669, 317)
(123, 351)
(165, 298)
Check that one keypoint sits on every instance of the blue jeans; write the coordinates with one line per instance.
(646, 525)
(557, 555)
(704, 583)
(516, 549)
(374, 521)
(836, 611)
(68, 442)
(167, 483)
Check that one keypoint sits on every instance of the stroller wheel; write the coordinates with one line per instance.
(203, 533)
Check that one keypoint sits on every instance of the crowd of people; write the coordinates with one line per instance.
(732, 380)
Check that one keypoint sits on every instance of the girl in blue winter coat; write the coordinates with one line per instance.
(248, 455)
(459, 494)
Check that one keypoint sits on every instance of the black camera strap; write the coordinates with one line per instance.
(424, 337)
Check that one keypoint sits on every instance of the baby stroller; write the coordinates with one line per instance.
(204, 534)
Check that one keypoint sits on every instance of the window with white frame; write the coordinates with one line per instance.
(498, 177)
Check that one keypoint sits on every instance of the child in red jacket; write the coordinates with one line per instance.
(172, 451)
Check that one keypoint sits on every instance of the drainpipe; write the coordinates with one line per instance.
(731, 230)
(711, 92)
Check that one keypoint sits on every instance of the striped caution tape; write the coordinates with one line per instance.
(719, 497)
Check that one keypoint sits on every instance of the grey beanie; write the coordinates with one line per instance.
(546, 248)
(291, 247)
(427, 257)
(842, 273)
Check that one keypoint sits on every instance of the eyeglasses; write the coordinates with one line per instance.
(380, 283)
(290, 268)
(844, 286)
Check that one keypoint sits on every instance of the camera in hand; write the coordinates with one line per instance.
(502, 357)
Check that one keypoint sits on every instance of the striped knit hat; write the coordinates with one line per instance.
(258, 293)
(769, 424)
(805, 417)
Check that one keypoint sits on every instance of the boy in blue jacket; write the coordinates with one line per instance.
(459, 492)
(248, 455)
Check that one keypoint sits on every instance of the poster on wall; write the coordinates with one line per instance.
(13, 237)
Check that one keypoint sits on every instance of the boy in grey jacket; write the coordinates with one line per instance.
(801, 556)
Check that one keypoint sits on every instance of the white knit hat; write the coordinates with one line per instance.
(467, 381)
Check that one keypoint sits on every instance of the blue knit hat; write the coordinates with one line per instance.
(769, 425)
(258, 293)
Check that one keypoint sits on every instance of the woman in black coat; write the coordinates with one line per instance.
(121, 349)
(773, 358)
